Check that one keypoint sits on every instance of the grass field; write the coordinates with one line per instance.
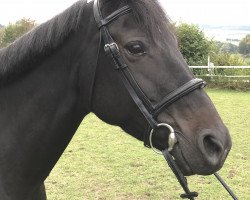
(102, 162)
(247, 60)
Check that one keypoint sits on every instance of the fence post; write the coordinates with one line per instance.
(208, 64)
(210, 67)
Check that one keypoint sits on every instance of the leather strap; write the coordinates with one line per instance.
(115, 15)
(182, 180)
(112, 17)
(179, 93)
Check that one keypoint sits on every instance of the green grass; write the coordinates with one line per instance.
(247, 60)
(102, 162)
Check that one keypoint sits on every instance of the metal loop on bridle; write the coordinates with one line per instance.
(111, 48)
(171, 140)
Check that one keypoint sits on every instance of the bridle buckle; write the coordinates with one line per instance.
(111, 49)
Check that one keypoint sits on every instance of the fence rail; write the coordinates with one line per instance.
(219, 67)
(228, 81)
(211, 69)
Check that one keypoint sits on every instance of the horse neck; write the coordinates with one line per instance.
(41, 110)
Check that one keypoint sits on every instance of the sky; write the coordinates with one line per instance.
(211, 12)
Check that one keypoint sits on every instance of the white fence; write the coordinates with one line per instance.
(219, 67)
(211, 69)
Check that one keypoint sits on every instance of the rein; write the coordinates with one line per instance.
(149, 111)
(183, 181)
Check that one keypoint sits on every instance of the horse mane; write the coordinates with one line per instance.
(19, 56)
(39, 42)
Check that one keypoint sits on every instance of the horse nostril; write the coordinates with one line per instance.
(211, 149)
(212, 146)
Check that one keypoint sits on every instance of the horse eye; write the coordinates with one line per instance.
(135, 48)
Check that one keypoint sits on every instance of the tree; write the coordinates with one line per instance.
(229, 48)
(1, 33)
(244, 46)
(1, 36)
(193, 44)
(227, 59)
(13, 31)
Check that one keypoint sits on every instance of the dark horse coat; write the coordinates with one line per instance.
(53, 76)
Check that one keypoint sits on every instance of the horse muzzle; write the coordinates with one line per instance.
(204, 156)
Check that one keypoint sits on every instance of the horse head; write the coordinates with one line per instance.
(147, 45)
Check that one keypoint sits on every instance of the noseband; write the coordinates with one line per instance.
(149, 111)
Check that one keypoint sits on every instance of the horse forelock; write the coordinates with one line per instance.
(151, 17)
(148, 14)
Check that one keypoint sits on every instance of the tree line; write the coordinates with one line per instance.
(196, 48)
(13, 31)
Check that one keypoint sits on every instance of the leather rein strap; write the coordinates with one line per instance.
(180, 177)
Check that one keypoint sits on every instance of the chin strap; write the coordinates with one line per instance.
(183, 181)
(180, 177)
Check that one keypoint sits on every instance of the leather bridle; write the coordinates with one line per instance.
(149, 111)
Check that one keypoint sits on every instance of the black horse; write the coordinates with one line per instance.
(53, 76)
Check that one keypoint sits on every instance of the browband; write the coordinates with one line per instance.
(113, 16)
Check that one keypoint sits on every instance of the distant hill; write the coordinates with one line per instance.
(221, 27)
(232, 34)
(1, 26)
